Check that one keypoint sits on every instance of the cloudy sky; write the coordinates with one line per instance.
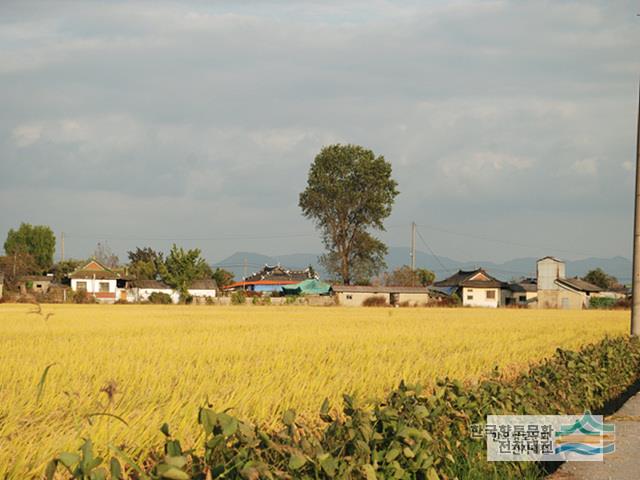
(145, 122)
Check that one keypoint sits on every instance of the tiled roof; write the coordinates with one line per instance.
(465, 278)
(278, 272)
(204, 284)
(579, 284)
(372, 289)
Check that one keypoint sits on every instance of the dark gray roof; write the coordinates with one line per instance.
(529, 285)
(463, 279)
(578, 284)
(372, 289)
(203, 284)
(152, 284)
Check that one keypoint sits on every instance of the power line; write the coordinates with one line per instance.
(432, 252)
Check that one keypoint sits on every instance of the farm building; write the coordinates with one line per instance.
(557, 291)
(200, 290)
(523, 293)
(34, 284)
(271, 279)
(355, 295)
(476, 288)
(96, 280)
(141, 290)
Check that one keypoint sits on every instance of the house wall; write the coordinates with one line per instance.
(414, 299)
(142, 294)
(479, 297)
(355, 299)
(548, 271)
(202, 293)
(562, 298)
(93, 287)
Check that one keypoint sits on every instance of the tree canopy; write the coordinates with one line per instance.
(349, 192)
(146, 264)
(38, 241)
(404, 276)
(600, 278)
(222, 277)
(183, 267)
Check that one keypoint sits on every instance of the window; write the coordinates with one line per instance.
(523, 298)
(349, 297)
(469, 289)
(104, 286)
(469, 297)
(491, 294)
(81, 286)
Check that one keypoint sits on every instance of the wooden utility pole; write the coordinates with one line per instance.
(635, 309)
(413, 246)
(62, 247)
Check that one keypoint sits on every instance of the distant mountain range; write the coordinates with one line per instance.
(619, 267)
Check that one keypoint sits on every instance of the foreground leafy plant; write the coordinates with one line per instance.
(412, 434)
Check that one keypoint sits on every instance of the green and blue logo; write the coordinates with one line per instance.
(586, 436)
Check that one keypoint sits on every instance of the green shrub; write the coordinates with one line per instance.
(378, 301)
(602, 303)
(160, 298)
(239, 297)
(411, 434)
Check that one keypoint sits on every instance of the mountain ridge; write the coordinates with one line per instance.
(618, 266)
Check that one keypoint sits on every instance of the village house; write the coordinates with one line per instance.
(271, 279)
(523, 293)
(141, 290)
(36, 284)
(555, 290)
(96, 280)
(476, 288)
(202, 289)
(355, 295)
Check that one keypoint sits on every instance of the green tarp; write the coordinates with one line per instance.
(307, 287)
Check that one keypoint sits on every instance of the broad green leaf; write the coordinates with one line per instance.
(297, 461)
(69, 459)
(289, 417)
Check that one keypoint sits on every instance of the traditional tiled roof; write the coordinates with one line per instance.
(477, 278)
(277, 273)
(94, 269)
(372, 289)
(527, 285)
(150, 284)
(204, 284)
(578, 284)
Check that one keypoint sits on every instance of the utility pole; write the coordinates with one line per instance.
(244, 272)
(635, 310)
(62, 247)
(413, 246)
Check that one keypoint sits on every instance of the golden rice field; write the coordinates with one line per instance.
(167, 360)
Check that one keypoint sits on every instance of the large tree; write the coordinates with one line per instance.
(350, 192)
(600, 278)
(222, 277)
(38, 241)
(406, 277)
(146, 264)
(183, 267)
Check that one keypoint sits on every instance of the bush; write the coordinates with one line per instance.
(82, 296)
(239, 297)
(378, 301)
(411, 434)
(605, 303)
(160, 298)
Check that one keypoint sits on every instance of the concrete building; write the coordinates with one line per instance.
(97, 280)
(355, 295)
(200, 290)
(557, 291)
(141, 290)
(476, 288)
(521, 294)
(35, 284)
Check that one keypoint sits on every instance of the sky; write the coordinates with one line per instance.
(146, 123)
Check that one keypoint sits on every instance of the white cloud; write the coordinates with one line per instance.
(585, 166)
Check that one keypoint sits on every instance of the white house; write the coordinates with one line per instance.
(141, 290)
(200, 290)
(476, 288)
(97, 280)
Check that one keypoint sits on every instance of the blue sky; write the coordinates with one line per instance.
(143, 122)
